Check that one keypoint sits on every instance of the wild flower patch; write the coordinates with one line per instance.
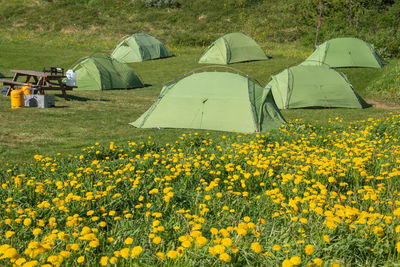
(303, 196)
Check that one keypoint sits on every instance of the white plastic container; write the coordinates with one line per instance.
(70, 78)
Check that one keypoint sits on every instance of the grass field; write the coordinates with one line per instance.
(104, 116)
(81, 187)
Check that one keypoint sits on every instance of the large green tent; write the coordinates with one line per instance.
(313, 86)
(221, 101)
(104, 73)
(139, 47)
(345, 52)
(232, 48)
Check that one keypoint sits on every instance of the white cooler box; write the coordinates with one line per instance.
(40, 101)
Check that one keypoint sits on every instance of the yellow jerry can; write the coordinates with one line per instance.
(17, 99)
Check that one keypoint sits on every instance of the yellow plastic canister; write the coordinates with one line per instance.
(26, 89)
(17, 99)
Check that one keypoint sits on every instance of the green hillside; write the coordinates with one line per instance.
(198, 22)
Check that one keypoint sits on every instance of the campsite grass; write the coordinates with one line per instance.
(104, 116)
(79, 185)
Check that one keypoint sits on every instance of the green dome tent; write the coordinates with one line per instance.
(345, 52)
(232, 48)
(221, 101)
(139, 47)
(313, 86)
(104, 73)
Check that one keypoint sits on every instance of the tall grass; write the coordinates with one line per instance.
(387, 86)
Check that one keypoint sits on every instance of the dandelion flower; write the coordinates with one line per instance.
(318, 261)
(81, 259)
(136, 251)
(256, 247)
(160, 255)
(295, 260)
(128, 241)
(104, 261)
(287, 263)
(309, 249)
(36, 231)
(225, 257)
(125, 252)
(172, 254)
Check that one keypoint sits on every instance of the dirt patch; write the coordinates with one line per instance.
(381, 105)
(202, 17)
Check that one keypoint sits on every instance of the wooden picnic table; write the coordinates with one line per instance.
(39, 81)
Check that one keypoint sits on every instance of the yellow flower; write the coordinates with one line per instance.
(10, 253)
(136, 251)
(295, 260)
(398, 247)
(94, 243)
(326, 238)
(303, 220)
(75, 247)
(335, 264)
(125, 252)
(225, 257)
(246, 219)
(128, 241)
(309, 249)
(201, 241)
(256, 247)
(9, 234)
(160, 255)
(81, 259)
(113, 260)
(276, 247)
(104, 261)
(172, 254)
(318, 261)
(219, 249)
(186, 244)
(287, 263)
(157, 240)
(214, 231)
(103, 224)
(396, 212)
(36, 231)
(20, 261)
(227, 242)
(31, 263)
(27, 222)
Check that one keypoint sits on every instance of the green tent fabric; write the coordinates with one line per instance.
(345, 52)
(104, 73)
(221, 101)
(313, 86)
(232, 48)
(139, 47)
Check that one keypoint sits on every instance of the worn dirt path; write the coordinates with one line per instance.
(377, 104)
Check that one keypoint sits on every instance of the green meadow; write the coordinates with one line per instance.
(79, 186)
(91, 117)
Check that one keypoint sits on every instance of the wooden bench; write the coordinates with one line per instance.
(8, 82)
(42, 81)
